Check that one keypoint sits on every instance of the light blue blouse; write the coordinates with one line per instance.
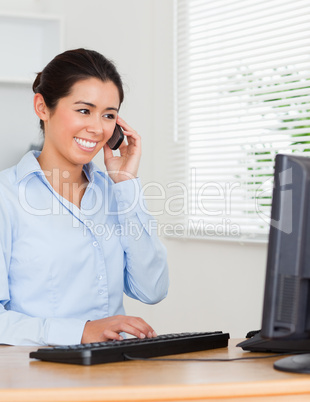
(61, 265)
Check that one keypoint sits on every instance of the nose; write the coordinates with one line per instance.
(95, 126)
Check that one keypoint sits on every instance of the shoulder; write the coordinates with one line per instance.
(8, 192)
(8, 178)
(12, 177)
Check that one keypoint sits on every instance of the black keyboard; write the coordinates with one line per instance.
(115, 351)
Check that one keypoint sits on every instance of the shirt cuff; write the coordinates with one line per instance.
(64, 331)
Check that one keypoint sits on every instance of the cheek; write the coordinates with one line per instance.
(108, 128)
(69, 124)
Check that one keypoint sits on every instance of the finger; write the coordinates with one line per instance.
(135, 329)
(132, 134)
(131, 330)
(108, 334)
(142, 326)
(133, 138)
(133, 147)
(123, 124)
(108, 153)
(124, 145)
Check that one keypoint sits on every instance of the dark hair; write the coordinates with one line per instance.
(60, 74)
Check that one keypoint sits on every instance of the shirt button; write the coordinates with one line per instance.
(100, 291)
(95, 243)
(99, 277)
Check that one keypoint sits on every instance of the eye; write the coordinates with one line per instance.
(110, 116)
(83, 111)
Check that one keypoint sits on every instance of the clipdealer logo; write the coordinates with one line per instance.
(205, 208)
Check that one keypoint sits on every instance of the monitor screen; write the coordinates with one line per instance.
(286, 310)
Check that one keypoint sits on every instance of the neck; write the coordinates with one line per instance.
(66, 179)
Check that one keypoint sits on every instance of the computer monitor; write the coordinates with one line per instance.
(286, 309)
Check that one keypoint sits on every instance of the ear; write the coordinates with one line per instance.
(40, 107)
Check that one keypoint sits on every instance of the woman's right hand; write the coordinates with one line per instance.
(109, 328)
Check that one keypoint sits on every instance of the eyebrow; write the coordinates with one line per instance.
(92, 105)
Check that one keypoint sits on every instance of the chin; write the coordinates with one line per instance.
(81, 159)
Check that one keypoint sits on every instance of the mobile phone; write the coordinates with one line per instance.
(117, 138)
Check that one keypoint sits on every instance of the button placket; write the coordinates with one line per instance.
(100, 277)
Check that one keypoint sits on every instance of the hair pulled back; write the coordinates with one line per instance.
(57, 78)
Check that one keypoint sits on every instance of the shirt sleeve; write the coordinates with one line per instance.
(146, 272)
(20, 329)
(17, 328)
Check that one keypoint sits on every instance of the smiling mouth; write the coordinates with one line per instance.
(84, 143)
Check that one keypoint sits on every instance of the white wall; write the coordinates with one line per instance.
(214, 285)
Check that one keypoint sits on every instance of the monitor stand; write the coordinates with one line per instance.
(294, 364)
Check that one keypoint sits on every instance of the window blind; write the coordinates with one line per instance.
(242, 91)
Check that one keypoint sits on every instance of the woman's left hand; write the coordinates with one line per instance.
(125, 166)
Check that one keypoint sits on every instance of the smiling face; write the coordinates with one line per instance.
(81, 123)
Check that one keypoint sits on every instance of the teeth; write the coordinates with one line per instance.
(86, 144)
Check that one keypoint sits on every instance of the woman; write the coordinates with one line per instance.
(73, 238)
